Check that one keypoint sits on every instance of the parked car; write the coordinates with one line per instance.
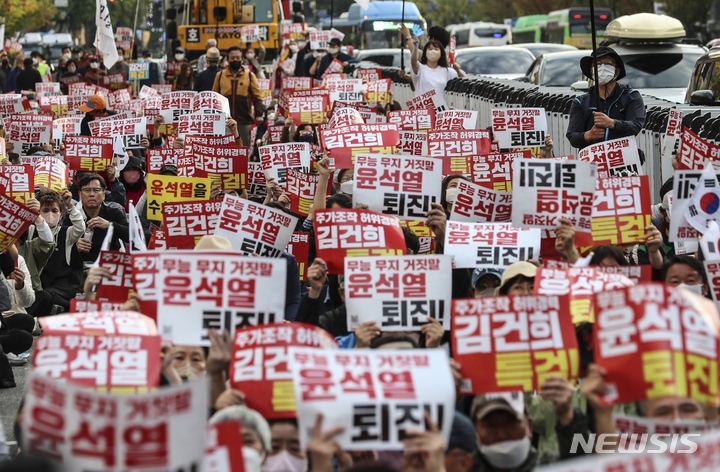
(538, 49)
(704, 88)
(556, 69)
(383, 57)
(500, 62)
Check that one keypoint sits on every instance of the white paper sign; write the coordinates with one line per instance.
(490, 245)
(277, 158)
(614, 158)
(673, 133)
(201, 124)
(414, 143)
(476, 204)
(456, 119)
(684, 184)
(211, 102)
(398, 387)
(433, 100)
(131, 131)
(519, 127)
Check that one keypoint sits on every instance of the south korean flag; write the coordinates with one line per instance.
(704, 205)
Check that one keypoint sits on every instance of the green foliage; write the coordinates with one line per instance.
(26, 15)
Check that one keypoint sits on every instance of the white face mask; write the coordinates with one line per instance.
(72, 69)
(271, 117)
(179, 57)
(333, 50)
(450, 194)
(252, 459)
(432, 55)
(347, 187)
(606, 74)
(250, 56)
(317, 53)
(293, 48)
(67, 56)
(506, 454)
(284, 462)
(93, 65)
(52, 219)
(35, 61)
(696, 289)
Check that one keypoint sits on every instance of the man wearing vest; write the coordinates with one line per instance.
(621, 111)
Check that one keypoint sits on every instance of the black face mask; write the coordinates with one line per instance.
(235, 65)
(306, 138)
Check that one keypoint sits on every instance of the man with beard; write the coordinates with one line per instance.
(132, 177)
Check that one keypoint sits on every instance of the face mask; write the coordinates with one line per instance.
(179, 57)
(293, 49)
(432, 55)
(93, 65)
(35, 61)
(696, 289)
(307, 139)
(52, 219)
(187, 372)
(250, 56)
(235, 65)
(252, 459)
(67, 56)
(606, 74)
(284, 462)
(450, 194)
(120, 58)
(347, 187)
(317, 54)
(488, 292)
(72, 69)
(506, 454)
(333, 50)
(271, 117)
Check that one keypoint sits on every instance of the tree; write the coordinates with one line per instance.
(688, 12)
(22, 16)
(81, 13)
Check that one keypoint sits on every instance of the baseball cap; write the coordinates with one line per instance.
(96, 102)
(462, 435)
(523, 268)
(146, 52)
(168, 169)
(483, 405)
(478, 272)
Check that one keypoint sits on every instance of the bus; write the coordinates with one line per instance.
(377, 27)
(572, 26)
(530, 29)
(480, 33)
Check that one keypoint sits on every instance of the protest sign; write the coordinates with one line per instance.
(413, 120)
(202, 290)
(176, 104)
(163, 88)
(278, 158)
(146, 266)
(414, 143)
(580, 283)
(424, 234)
(614, 158)
(300, 188)
(294, 84)
(320, 40)
(207, 124)
(210, 102)
(12, 46)
(260, 364)
(24, 136)
(514, 343)
(52, 173)
(168, 188)
(115, 352)
(703, 204)
(490, 245)
(378, 91)
(621, 210)
(519, 127)
(75, 102)
(57, 105)
(257, 184)
(432, 100)
(13, 103)
(266, 93)
(250, 34)
(47, 89)
(626, 424)
(274, 134)
(89, 153)
(544, 191)
(157, 158)
(341, 233)
(124, 39)
(113, 82)
(293, 31)
(398, 293)
(139, 71)
(456, 120)
(118, 97)
(254, 228)
(476, 204)
(224, 165)
(368, 115)
(309, 110)
(344, 117)
(402, 186)
(64, 126)
(119, 285)
(345, 142)
(187, 165)
(368, 75)
(17, 182)
(636, 274)
(673, 134)
(187, 222)
(15, 218)
(83, 430)
(670, 334)
(494, 171)
(695, 151)
(223, 448)
(334, 67)
(684, 184)
(376, 396)
(129, 131)
(455, 148)
(86, 306)
(299, 248)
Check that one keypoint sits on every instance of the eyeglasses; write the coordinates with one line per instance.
(484, 286)
(606, 62)
(92, 190)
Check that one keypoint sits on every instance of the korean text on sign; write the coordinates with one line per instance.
(614, 158)
(513, 343)
(432, 100)
(119, 285)
(519, 127)
(18, 182)
(214, 290)
(187, 222)
(345, 142)
(456, 148)
(494, 171)
(226, 166)
(671, 338)
(167, 188)
(378, 397)
(684, 184)
(413, 120)
(299, 248)
(695, 151)
(621, 210)
(398, 293)
(15, 218)
(260, 364)
(51, 172)
(341, 233)
(301, 188)
(490, 245)
(277, 158)
(476, 204)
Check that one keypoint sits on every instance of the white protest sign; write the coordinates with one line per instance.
(176, 104)
(397, 388)
(346, 90)
(433, 100)
(319, 40)
(399, 293)
(456, 119)
(519, 127)
(490, 245)
(476, 204)
(201, 124)
(704, 205)
(131, 131)
(277, 158)
(204, 290)
(684, 184)
(614, 158)
(414, 143)
(397, 185)
(673, 133)
(211, 102)
(250, 34)
(64, 126)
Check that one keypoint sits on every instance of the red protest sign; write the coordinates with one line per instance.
(119, 286)
(670, 338)
(113, 82)
(275, 134)
(621, 210)
(695, 151)
(157, 158)
(369, 75)
(17, 182)
(109, 351)
(15, 218)
(186, 163)
(73, 79)
(260, 364)
(52, 173)
(293, 84)
(301, 188)
(513, 343)
(456, 147)
(223, 447)
(299, 247)
(227, 166)
(378, 91)
(341, 233)
(308, 110)
(88, 152)
(187, 222)
(343, 143)
(494, 171)
(413, 120)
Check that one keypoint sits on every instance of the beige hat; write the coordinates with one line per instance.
(525, 269)
(483, 405)
(213, 54)
(212, 242)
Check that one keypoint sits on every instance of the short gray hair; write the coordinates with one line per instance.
(247, 417)
(211, 43)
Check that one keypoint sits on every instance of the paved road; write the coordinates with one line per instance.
(10, 401)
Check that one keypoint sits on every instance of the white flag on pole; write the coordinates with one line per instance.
(105, 39)
(136, 232)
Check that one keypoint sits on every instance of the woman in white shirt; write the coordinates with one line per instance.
(431, 72)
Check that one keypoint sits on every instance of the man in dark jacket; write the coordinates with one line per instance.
(322, 63)
(95, 107)
(621, 111)
(154, 70)
(206, 79)
(132, 178)
(300, 70)
(28, 77)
